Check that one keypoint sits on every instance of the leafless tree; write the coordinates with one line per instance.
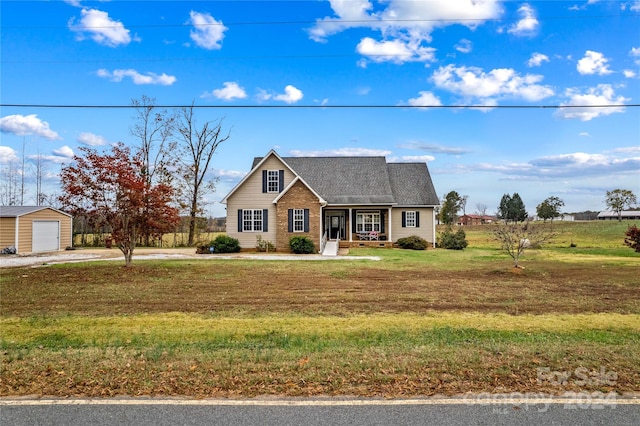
(40, 171)
(197, 146)
(9, 185)
(153, 129)
(517, 237)
(481, 208)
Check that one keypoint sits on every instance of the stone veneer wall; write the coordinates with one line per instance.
(297, 197)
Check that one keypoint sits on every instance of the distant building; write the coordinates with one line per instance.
(562, 218)
(625, 215)
(475, 219)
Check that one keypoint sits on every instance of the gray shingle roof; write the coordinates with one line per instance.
(411, 184)
(17, 211)
(346, 180)
(364, 180)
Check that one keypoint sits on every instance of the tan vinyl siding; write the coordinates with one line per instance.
(250, 196)
(25, 228)
(7, 232)
(426, 224)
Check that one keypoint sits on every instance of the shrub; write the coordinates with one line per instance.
(225, 244)
(264, 245)
(453, 240)
(413, 243)
(301, 245)
(633, 238)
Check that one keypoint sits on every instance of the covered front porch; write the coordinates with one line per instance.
(357, 226)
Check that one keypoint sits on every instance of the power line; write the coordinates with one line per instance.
(352, 106)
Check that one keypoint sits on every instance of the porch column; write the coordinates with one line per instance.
(350, 227)
(389, 236)
(321, 226)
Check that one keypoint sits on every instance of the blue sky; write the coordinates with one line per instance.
(392, 61)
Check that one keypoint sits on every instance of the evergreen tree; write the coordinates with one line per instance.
(512, 209)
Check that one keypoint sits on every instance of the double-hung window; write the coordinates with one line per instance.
(298, 220)
(252, 220)
(367, 221)
(410, 219)
(273, 181)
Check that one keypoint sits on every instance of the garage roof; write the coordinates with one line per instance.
(17, 211)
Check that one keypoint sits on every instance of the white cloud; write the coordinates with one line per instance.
(576, 165)
(229, 92)
(537, 59)
(629, 73)
(397, 51)
(57, 159)
(635, 53)
(404, 25)
(342, 152)
(435, 148)
(464, 46)
(633, 5)
(528, 23)
(291, 95)
(207, 32)
(25, 125)
(414, 159)
(90, 139)
(628, 150)
(137, 78)
(593, 63)
(64, 151)
(229, 174)
(591, 104)
(584, 134)
(426, 99)
(100, 28)
(476, 85)
(7, 155)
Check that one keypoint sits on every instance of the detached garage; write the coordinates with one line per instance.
(34, 229)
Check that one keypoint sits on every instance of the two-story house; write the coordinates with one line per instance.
(335, 201)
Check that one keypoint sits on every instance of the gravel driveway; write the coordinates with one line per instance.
(36, 260)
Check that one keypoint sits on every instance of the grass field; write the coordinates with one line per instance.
(413, 323)
(177, 239)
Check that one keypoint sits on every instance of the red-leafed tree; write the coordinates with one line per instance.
(633, 238)
(113, 189)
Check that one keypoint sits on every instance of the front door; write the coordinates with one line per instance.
(334, 227)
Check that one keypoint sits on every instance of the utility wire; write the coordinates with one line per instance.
(79, 106)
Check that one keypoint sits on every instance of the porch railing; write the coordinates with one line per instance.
(323, 242)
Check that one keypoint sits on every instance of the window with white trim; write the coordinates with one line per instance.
(252, 220)
(273, 181)
(298, 220)
(367, 221)
(410, 219)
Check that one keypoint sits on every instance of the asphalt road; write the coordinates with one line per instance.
(447, 412)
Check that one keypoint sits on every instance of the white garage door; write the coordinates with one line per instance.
(46, 236)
